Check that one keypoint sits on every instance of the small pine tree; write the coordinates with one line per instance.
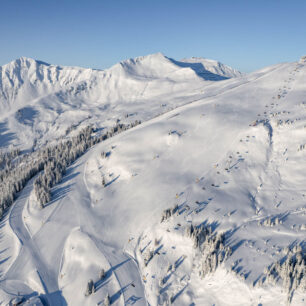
(102, 274)
(173, 268)
(90, 287)
(107, 300)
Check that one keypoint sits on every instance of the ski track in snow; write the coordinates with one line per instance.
(123, 266)
(30, 250)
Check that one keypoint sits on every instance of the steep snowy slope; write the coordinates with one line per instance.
(39, 102)
(230, 162)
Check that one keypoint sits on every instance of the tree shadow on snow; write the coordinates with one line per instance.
(108, 274)
(101, 283)
(117, 295)
(164, 289)
(157, 251)
(176, 296)
(1, 262)
(257, 279)
(229, 234)
(56, 298)
(2, 251)
(59, 193)
(120, 264)
(236, 246)
(213, 225)
(132, 300)
(179, 261)
(144, 248)
(69, 175)
(112, 181)
(2, 223)
(4, 260)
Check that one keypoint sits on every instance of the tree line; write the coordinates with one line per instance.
(52, 161)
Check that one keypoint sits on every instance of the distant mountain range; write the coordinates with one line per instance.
(25, 78)
(33, 93)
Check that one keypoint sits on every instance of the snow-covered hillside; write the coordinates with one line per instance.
(39, 102)
(201, 204)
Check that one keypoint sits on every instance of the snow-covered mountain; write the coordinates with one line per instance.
(26, 79)
(201, 204)
(39, 102)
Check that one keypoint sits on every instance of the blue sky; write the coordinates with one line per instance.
(245, 34)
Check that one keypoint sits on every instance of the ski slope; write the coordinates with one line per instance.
(230, 154)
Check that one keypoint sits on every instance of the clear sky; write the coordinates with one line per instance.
(245, 34)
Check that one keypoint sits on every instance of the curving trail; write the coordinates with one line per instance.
(30, 253)
(31, 257)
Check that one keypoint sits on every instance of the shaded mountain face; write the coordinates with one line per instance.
(203, 66)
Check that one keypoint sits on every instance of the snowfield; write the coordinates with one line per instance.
(203, 203)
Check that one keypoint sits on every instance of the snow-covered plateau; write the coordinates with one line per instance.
(154, 182)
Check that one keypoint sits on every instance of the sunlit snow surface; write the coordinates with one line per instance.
(229, 154)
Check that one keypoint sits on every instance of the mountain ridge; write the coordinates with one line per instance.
(31, 90)
(27, 74)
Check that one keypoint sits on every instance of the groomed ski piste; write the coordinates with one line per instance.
(203, 203)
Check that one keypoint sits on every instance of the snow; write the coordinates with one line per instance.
(203, 65)
(41, 101)
(81, 257)
(226, 152)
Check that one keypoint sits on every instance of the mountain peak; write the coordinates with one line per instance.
(158, 56)
(26, 62)
(154, 57)
(25, 59)
(152, 65)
